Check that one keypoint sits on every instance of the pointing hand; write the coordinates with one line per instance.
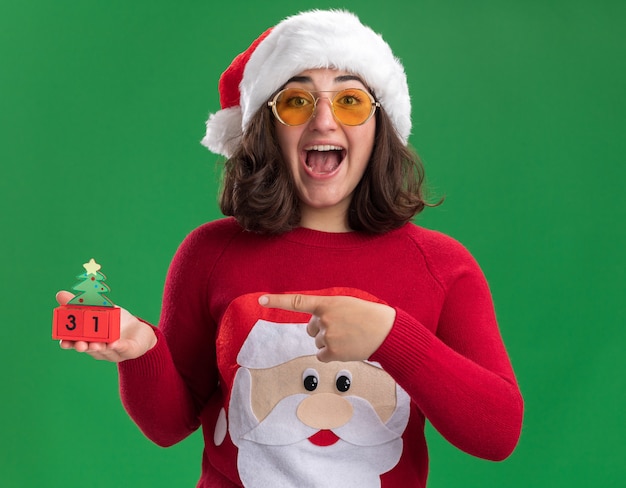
(345, 328)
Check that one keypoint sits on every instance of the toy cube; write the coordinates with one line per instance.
(86, 323)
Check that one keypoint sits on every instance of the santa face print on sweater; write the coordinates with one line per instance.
(297, 421)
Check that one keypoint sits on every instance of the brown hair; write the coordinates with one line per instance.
(258, 190)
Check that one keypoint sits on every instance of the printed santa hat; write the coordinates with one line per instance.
(249, 335)
(309, 40)
(257, 337)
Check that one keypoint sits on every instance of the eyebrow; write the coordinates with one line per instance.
(338, 79)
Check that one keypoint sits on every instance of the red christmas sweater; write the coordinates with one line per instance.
(226, 364)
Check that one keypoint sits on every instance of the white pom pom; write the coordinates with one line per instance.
(223, 131)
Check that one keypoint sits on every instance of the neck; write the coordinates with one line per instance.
(325, 219)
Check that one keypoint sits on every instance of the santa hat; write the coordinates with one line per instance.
(257, 337)
(309, 40)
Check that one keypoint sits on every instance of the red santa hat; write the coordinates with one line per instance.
(245, 319)
(257, 337)
(309, 40)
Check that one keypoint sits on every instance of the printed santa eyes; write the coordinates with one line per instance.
(310, 380)
(343, 381)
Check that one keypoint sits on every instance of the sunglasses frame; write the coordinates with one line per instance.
(273, 103)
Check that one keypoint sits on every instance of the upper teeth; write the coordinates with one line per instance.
(326, 147)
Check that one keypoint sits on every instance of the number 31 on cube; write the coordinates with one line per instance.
(90, 316)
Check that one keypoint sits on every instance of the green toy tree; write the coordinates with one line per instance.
(91, 287)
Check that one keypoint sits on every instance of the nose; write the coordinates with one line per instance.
(324, 411)
(323, 118)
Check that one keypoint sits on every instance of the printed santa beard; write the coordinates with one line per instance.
(277, 451)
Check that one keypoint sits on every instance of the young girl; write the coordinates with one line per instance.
(312, 331)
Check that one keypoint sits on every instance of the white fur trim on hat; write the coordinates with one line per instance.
(269, 344)
(318, 39)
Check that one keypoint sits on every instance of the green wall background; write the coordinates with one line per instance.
(519, 114)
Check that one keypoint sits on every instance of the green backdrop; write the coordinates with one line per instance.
(519, 114)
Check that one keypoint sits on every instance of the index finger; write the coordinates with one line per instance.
(296, 302)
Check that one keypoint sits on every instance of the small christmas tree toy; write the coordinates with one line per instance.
(89, 316)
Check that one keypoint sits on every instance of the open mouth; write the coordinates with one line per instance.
(323, 159)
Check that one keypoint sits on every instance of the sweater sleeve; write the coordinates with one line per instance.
(156, 397)
(460, 376)
(165, 390)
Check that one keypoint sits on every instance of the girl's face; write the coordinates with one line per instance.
(327, 159)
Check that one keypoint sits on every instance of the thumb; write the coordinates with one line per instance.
(63, 297)
(294, 302)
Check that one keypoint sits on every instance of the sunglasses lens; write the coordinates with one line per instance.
(294, 106)
(353, 106)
